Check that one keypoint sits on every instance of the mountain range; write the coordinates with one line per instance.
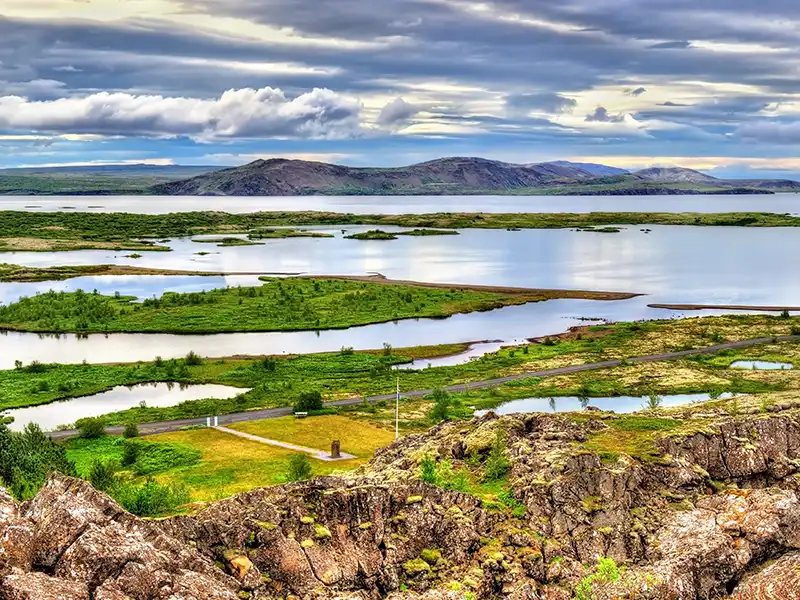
(457, 175)
(444, 176)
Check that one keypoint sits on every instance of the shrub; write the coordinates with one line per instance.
(158, 457)
(428, 465)
(347, 351)
(131, 431)
(497, 463)
(91, 427)
(27, 458)
(269, 364)
(308, 401)
(298, 468)
(102, 475)
(193, 359)
(442, 403)
(130, 453)
(151, 498)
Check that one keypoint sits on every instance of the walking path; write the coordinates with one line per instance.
(318, 454)
(273, 413)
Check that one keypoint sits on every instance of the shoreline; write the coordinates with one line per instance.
(747, 307)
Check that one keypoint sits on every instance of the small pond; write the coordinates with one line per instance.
(619, 404)
(761, 365)
(50, 416)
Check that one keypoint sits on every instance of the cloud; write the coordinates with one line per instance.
(397, 112)
(36, 89)
(673, 104)
(775, 132)
(548, 102)
(637, 92)
(601, 115)
(677, 45)
(243, 113)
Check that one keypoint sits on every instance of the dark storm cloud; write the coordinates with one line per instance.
(548, 102)
(601, 115)
(670, 45)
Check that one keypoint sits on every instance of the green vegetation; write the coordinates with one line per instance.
(27, 458)
(279, 305)
(18, 273)
(225, 242)
(298, 468)
(427, 232)
(308, 402)
(442, 405)
(606, 571)
(498, 462)
(69, 230)
(269, 234)
(372, 234)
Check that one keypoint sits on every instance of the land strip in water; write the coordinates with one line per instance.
(32, 231)
(294, 304)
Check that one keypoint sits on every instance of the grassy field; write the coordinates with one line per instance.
(230, 464)
(69, 230)
(278, 381)
(279, 305)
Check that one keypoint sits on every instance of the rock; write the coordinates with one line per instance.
(779, 580)
(20, 585)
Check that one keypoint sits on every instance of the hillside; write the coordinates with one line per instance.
(683, 503)
(459, 175)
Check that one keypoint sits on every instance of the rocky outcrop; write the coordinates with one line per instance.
(707, 512)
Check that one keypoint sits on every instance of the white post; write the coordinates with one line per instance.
(208, 421)
(397, 411)
(216, 421)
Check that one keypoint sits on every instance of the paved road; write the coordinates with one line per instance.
(273, 413)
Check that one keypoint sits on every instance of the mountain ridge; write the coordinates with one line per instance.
(456, 176)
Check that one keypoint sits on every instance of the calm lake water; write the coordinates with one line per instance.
(714, 265)
(50, 416)
(778, 203)
(620, 404)
(761, 365)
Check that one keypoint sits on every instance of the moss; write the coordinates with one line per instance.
(415, 567)
(266, 525)
(455, 586)
(431, 556)
(307, 520)
(414, 499)
(365, 526)
(307, 543)
(321, 532)
(498, 556)
(471, 583)
(243, 595)
(592, 504)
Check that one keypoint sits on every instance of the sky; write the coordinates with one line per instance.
(706, 84)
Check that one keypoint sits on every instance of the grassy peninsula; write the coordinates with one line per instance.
(293, 304)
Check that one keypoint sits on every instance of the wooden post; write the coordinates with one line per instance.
(336, 449)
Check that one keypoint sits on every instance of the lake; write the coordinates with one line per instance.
(713, 265)
(65, 412)
(777, 203)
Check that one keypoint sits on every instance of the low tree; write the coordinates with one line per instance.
(298, 468)
(102, 475)
(442, 405)
(497, 463)
(193, 359)
(308, 401)
(131, 431)
(91, 427)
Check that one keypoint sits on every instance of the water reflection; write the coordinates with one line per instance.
(761, 365)
(620, 404)
(50, 416)
(779, 203)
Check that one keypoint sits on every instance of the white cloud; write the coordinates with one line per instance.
(243, 113)
(771, 131)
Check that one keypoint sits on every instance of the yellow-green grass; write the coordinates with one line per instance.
(357, 437)
(231, 464)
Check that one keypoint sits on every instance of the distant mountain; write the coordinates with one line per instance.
(593, 168)
(456, 175)
(138, 170)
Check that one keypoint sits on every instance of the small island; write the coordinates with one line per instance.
(372, 234)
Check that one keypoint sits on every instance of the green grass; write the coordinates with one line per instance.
(269, 234)
(226, 242)
(372, 234)
(86, 229)
(279, 305)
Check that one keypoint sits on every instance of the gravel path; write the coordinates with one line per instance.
(318, 454)
(273, 413)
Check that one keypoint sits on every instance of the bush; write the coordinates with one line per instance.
(308, 401)
(298, 468)
(91, 427)
(27, 458)
(193, 359)
(131, 431)
(497, 464)
(442, 403)
(130, 453)
(151, 498)
(428, 465)
(269, 364)
(154, 458)
(102, 475)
